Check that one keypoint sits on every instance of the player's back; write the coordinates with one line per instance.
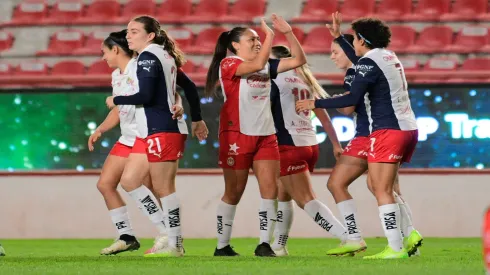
(155, 64)
(292, 128)
(387, 101)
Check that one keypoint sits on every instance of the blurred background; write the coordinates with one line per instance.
(53, 82)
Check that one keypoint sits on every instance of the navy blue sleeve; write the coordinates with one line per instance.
(148, 71)
(348, 49)
(367, 73)
(348, 78)
(273, 65)
(190, 91)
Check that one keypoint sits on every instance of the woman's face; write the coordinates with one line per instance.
(137, 36)
(339, 58)
(109, 55)
(249, 45)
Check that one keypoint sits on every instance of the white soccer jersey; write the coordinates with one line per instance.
(292, 127)
(122, 85)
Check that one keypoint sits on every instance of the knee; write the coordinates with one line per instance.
(232, 198)
(128, 184)
(105, 187)
(334, 187)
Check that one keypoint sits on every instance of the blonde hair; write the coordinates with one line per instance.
(303, 72)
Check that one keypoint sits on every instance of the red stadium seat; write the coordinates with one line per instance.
(93, 43)
(32, 69)
(183, 37)
(64, 43)
(393, 10)
(189, 67)
(280, 39)
(101, 12)
(403, 36)
(6, 40)
(469, 39)
(317, 11)
(70, 67)
(318, 40)
(203, 67)
(353, 9)
(428, 10)
(244, 11)
(65, 12)
(476, 64)
(172, 11)
(432, 39)
(486, 48)
(208, 11)
(466, 10)
(206, 41)
(441, 64)
(99, 68)
(135, 8)
(6, 69)
(410, 64)
(30, 12)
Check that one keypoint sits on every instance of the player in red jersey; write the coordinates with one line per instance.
(247, 135)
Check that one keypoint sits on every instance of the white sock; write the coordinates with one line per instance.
(390, 220)
(406, 216)
(224, 217)
(325, 219)
(171, 211)
(120, 218)
(147, 202)
(285, 210)
(267, 214)
(348, 211)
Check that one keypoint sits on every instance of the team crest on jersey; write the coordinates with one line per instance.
(230, 161)
(130, 81)
(258, 80)
(228, 63)
(256, 97)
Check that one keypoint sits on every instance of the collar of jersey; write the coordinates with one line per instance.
(128, 66)
(236, 56)
(373, 51)
(151, 46)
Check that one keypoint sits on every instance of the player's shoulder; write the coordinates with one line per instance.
(350, 71)
(229, 62)
(382, 57)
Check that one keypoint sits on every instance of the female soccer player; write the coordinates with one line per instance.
(298, 148)
(160, 135)
(117, 54)
(380, 80)
(247, 135)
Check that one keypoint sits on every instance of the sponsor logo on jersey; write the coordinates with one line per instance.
(256, 97)
(294, 80)
(393, 156)
(258, 80)
(362, 153)
(388, 57)
(364, 69)
(147, 68)
(228, 63)
(146, 62)
(292, 168)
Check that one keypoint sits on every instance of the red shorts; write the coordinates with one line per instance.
(162, 147)
(358, 147)
(238, 151)
(121, 150)
(295, 159)
(139, 146)
(392, 145)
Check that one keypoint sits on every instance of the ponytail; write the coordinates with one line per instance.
(170, 46)
(223, 45)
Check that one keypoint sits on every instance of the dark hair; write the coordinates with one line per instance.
(151, 25)
(281, 51)
(118, 39)
(223, 45)
(375, 32)
(348, 37)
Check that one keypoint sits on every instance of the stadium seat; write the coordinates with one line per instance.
(64, 43)
(206, 41)
(486, 48)
(280, 39)
(403, 36)
(92, 43)
(183, 37)
(318, 40)
(189, 67)
(317, 11)
(469, 39)
(410, 64)
(70, 67)
(208, 11)
(428, 10)
(99, 67)
(172, 11)
(466, 10)
(244, 11)
(29, 12)
(353, 9)
(476, 64)
(32, 69)
(432, 39)
(393, 10)
(441, 64)
(135, 8)
(65, 12)
(6, 40)
(101, 12)
(203, 68)
(6, 69)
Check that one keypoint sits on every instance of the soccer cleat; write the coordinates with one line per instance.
(281, 252)
(388, 253)
(2, 251)
(168, 251)
(225, 251)
(413, 242)
(124, 243)
(160, 243)
(348, 248)
(264, 250)
(416, 253)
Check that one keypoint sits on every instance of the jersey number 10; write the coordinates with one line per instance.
(301, 95)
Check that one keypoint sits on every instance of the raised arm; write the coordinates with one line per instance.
(334, 29)
(298, 55)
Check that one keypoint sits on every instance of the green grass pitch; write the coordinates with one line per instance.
(307, 256)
